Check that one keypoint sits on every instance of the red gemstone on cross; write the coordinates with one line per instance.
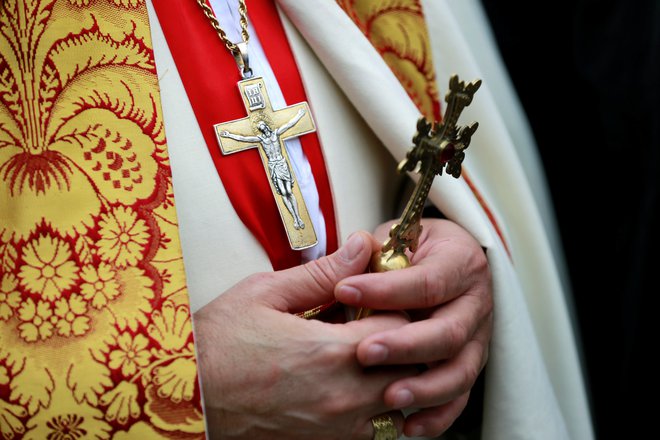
(447, 152)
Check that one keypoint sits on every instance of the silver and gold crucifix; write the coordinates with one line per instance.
(267, 129)
(437, 147)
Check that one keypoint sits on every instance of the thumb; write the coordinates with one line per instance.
(312, 284)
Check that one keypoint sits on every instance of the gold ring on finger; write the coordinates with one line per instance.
(384, 428)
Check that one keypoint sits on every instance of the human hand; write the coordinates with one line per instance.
(448, 294)
(267, 373)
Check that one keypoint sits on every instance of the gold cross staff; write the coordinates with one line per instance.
(437, 146)
(266, 129)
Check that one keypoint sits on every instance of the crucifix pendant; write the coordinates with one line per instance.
(266, 129)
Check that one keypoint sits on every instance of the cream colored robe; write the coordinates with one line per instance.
(534, 386)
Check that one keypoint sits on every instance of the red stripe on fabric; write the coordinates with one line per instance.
(486, 208)
(210, 75)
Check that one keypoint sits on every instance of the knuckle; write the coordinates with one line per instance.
(482, 282)
(478, 261)
(260, 278)
(489, 324)
(335, 404)
(482, 266)
(482, 340)
(337, 353)
(440, 425)
(485, 356)
(252, 287)
(469, 376)
(474, 255)
(456, 335)
(333, 357)
(432, 288)
(403, 349)
(322, 272)
(489, 303)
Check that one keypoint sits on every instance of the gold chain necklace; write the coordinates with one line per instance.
(266, 129)
(238, 50)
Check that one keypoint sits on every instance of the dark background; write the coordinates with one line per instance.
(596, 119)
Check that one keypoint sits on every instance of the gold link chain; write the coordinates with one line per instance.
(242, 9)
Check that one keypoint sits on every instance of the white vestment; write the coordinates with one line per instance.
(365, 121)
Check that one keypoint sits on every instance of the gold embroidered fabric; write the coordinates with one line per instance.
(95, 330)
(398, 31)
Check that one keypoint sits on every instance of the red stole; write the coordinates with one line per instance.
(209, 74)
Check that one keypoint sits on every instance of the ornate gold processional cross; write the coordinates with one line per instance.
(266, 129)
(436, 146)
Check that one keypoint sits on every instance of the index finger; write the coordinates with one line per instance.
(453, 267)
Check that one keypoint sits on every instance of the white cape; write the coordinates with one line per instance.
(534, 383)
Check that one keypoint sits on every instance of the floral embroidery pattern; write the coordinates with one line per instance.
(66, 427)
(122, 403)
(10, 298)
(37, 322)
(71, 316)
(130, 355)
(48, 269)
(123, 237)
(95, 330)
(4, 377)
(10, 419)
(99, 286)
(396, 28)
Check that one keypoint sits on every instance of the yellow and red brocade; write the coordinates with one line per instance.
(95, 330)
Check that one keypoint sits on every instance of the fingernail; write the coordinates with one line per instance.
(416, 431)
(403, 399)
(376, 353)
(352, 247)
(349, 295)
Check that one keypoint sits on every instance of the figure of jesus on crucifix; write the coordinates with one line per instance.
(280, 173)
(266, 129)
